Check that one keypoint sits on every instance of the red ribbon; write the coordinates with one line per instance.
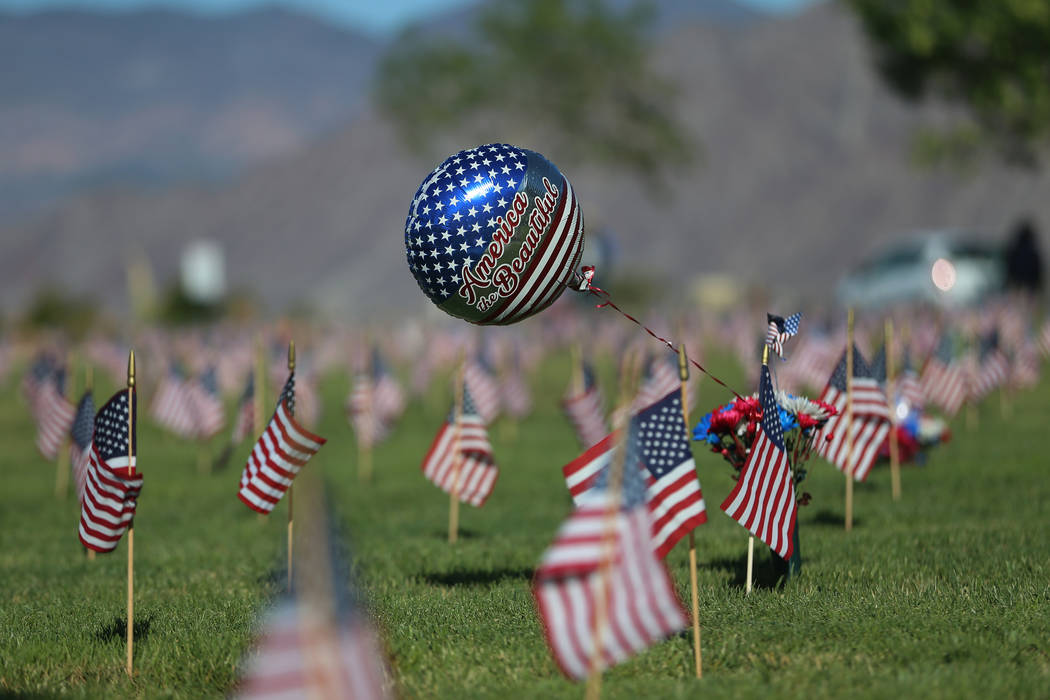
(586, 284)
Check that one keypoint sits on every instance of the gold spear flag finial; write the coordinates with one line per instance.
(291, 355)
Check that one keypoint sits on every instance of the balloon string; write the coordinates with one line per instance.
(586, 285)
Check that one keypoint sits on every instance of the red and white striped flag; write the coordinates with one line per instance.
(54, 415)
(603, 555)
(763, 500)
(585, 410)
(280, 452)
(208, 412)
(484, 389)
(173, 405)
(461, 456)
(943, 380)
(82, 432)
(659, 447)
(870, 424)
(113, 483)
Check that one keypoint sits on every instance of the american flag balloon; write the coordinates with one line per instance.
(494, 234)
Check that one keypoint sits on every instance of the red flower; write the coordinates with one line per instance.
(828, 408)
(724, 423)
(805, 421)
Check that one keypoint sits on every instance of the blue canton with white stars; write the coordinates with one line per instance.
(468, 409)
(210, 382)
(84, 422)
(453, 214)
(771, 424)
(111, 428)
(860, 369)
(661, 435)
(288, 394)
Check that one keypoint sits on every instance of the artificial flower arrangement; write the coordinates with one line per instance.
(916, 432)
(731, 429)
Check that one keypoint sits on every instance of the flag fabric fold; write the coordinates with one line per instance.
(81, 433)
(779, 329)
(584, 410)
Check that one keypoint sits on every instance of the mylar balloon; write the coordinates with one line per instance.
(494, 234)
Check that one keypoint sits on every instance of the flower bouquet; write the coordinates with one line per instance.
(731, 431)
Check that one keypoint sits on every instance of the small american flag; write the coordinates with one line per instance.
(909, 389)
(763, 500)
(661, 377)
(375, 402)
(870, 424)
(113, 483)
(317, 642)
(992, 368)
(605, 555)
(943, 380)
(54, 414)
(280, 452)
(516, 398)
(585, 410)
(483, 388)
(80, 447)
(209, 415)
(463, 449)
(35, 378)
(658, 440)
(173, 406)
(245, 417)
(779, 330)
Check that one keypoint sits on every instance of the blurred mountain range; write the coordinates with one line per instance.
(805, 167)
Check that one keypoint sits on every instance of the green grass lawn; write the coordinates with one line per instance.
(943, 594)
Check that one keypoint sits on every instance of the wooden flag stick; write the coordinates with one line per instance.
(453, 495)
(131, 526)
(895, 459)
(291, 370)
(576, 378)
(89, 378)
(259, 397)
(616, 467)
(848, 467)
(683, 377)
(62, 462)
(751, 537)
(364, 446)
(750, 562)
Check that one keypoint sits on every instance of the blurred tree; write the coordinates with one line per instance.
(572, 75)
(993, 58)
(1024, 262)
(53, 308)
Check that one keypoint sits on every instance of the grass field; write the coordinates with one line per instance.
(943, 594)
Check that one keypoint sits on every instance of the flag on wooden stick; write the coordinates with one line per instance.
(54, 414)
(779, 329)
(584, 409)
(280, 452)
(602, 567)
(870, 425)
(318, 642)
(113, 483)
(763, 500)
(461, 455)
(665, 459)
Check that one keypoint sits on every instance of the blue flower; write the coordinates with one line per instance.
(787, 420)
(702, 431)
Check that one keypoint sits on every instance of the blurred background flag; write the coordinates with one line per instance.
(173, 406)
(54, 413)
(463, 449)
(943, 379)
(870, 425)
(113, 483)
(80, 446)
(317, 642)
(207, 404)
(584, 409)
(484, 389)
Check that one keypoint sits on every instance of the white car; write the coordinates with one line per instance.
(949, 268)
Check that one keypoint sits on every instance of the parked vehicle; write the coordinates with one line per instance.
(951, 268)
